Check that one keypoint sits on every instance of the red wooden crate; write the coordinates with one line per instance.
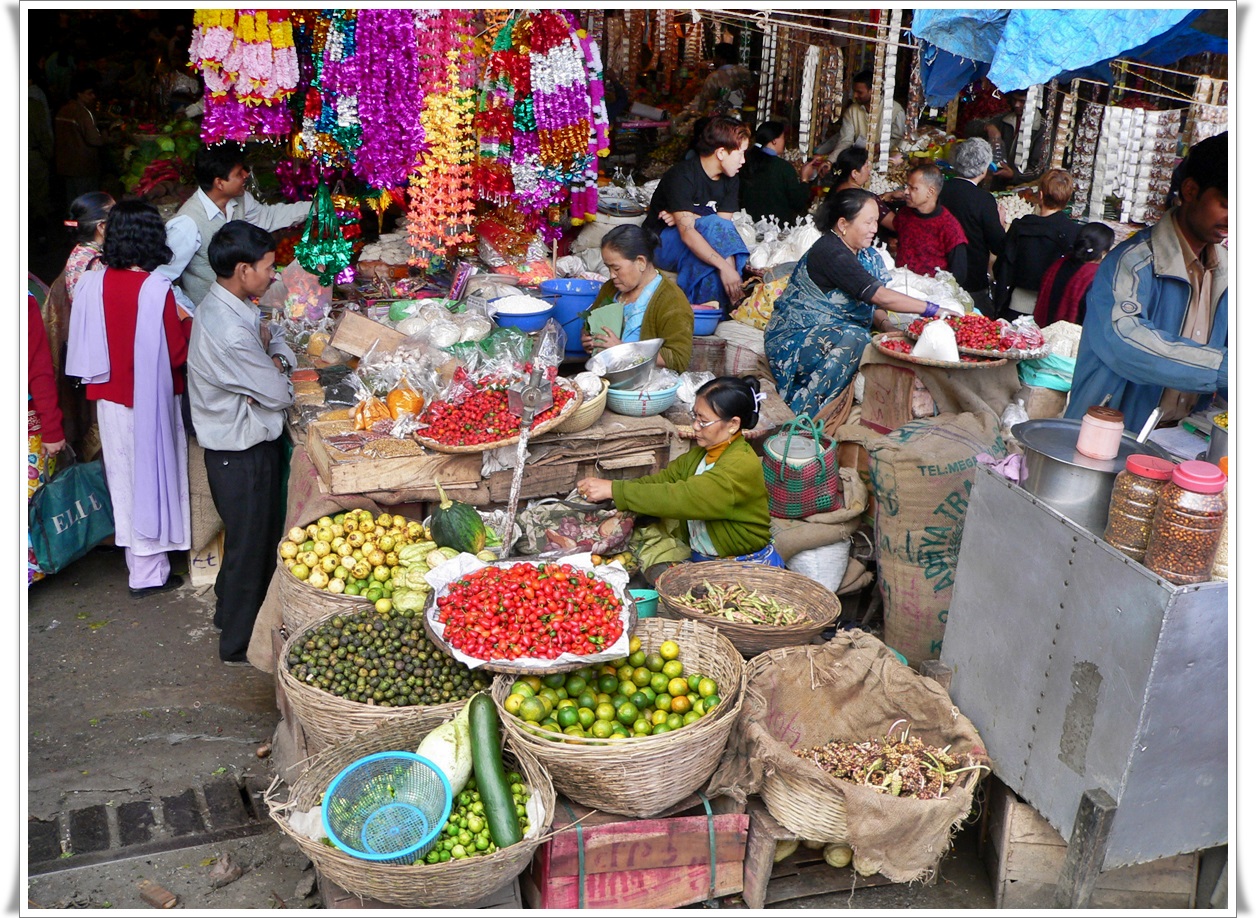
(664, 862)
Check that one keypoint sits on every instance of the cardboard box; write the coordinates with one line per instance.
(204, 563)
(1025, 855)
(663, 862)
(356, 334)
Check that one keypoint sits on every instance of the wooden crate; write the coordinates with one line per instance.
(356, 334)
(664, 862)
(1024, 855)
(345, 473)
(803, 873)
(336, 897)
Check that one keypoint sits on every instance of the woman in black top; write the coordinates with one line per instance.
(1034, 242)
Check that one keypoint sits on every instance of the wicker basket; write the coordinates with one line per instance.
(543, 427)
(820, 606)
(586, 415)
(328, 719)
(448, 885)
(619, 777)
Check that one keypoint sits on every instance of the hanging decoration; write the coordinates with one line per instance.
(389, 87)
(542, 120)
(440, 192)
(330, 131)
(249, 63)
(323, 249)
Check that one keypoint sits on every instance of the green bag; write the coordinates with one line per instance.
(70, 515)
(323, 249)
(1050, 372)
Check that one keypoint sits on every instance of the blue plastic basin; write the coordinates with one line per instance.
(571, 296)
(705, 320)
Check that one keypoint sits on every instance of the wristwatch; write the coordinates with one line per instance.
(283, 363)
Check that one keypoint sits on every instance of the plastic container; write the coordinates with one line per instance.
(524, 321)
(705, 321)
(647, 602)
(640, 404)
(1100, 433)
(1189, 522)
(571, 296)
(1135, 495)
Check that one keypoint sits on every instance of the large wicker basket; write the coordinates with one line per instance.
(622, 777)
(328, 719)
(821, 607)
(302, 605)
(447, 885)
(587, 414)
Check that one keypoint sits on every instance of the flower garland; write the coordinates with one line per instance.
(440, 192)
(390, 95)
(542, 119)
(330, 130)
(249, 63)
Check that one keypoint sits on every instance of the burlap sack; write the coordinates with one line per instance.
(851, 689)
(921, 475)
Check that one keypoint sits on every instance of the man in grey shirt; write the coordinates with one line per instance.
(239, 389)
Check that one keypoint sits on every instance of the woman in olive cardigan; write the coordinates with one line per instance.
(716, 489)
(654, 307)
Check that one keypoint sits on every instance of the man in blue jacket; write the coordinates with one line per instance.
(1155, 332)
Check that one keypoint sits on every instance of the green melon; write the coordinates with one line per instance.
(457, 525)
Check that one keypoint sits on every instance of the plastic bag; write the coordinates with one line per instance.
(323, 249)
(298, 295)
(1014, 414)
(1050, 372)
(937, 342)
(690, 383)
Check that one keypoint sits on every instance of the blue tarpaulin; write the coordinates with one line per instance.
(1020, 47)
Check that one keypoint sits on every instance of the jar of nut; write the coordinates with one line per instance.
(1135, 495)
(1189, 521)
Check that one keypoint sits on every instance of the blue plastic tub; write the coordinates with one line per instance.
(647, 602)
(705, 320)
(571, 296)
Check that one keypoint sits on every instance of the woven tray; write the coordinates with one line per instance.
(879, 343)
(537, 429)
(448, 885)
(613, 776)
(1010, 354)
(330, 719)
(586, 415)
(820, 606)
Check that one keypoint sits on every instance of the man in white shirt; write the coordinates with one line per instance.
(221, 173)
(852, 129)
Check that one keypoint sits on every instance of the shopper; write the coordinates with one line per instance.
(771, 187)
(930, 239)
(692, 212)
(716, 489)
(1062, 296)
(127, 344)
(77, 139)
(1035, 242)
(653, 306)
(44, 437)
(221, 174)
(821, 322)
(978, 216)
(240, 390)
(1157, 315)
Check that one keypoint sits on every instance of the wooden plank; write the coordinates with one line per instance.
(1086, 848)
(764, 833)
(816, 878)
(345, 473)
(356, 334)
(938, 671)
(666, 887)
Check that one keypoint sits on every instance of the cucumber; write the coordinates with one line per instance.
(490, 774)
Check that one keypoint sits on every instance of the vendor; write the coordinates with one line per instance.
(770, 187)
(716, 488)
(853, 169)
(654, 307)
(821, 322)
(1157, 315)
(692, 213)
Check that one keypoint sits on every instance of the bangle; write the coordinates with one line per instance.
(931, 310)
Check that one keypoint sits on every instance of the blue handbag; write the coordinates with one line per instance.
(71, 514)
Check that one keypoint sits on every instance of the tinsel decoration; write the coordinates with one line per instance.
(323, 249)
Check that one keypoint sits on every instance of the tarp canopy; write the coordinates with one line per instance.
(1020, 47)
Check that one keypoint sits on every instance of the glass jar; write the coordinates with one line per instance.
(1188, 524)
(1135, 494)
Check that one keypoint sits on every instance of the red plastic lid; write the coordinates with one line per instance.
(1200, 477)
(1152, 467)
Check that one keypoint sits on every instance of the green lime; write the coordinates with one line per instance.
(604, 711)
(627, 713)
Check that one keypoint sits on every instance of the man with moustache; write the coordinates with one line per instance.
(1157, 315)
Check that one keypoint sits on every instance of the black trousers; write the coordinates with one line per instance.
(244, 485)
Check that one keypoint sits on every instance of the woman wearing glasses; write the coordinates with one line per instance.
(716, 489)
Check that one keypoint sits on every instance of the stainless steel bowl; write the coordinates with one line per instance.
(631, 363)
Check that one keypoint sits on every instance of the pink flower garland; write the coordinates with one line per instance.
(249, 64)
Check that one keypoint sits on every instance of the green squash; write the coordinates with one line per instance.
(457, 525)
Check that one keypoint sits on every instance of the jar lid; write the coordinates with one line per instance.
(1200, 477)
(1107, 415)
(1152, 467)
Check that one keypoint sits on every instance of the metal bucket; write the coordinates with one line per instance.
(1073, 485)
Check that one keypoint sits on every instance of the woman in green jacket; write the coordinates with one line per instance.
(654, 307)
(716, 489)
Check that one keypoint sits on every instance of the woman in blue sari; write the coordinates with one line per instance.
(692, 211)
(837, 293)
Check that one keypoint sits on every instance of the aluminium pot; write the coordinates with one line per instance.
(1073, 485)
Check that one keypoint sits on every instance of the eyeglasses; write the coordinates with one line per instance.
(703, 425)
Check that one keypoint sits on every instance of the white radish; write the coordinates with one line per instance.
(448, 747)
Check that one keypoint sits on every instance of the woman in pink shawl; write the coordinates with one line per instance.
(126, 342)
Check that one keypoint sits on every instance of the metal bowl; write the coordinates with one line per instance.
(632, 363)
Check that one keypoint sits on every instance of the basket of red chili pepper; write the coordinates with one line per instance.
(526, 617)
(480, 419)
